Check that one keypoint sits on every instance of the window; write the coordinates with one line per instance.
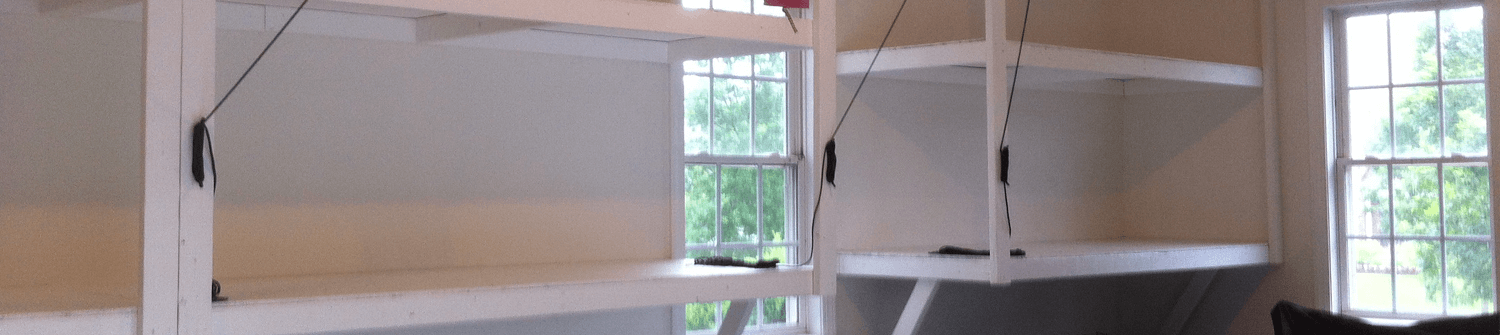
(1412, 162)
(756, 7)
(740, 159)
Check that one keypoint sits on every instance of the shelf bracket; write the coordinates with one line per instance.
(916, 306)
(736, 317)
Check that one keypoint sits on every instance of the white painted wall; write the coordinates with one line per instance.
(70, 162)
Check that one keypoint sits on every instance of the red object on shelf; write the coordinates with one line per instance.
(788, 3)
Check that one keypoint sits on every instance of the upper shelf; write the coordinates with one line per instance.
(370, 300)
(1053, 260)
(1050, 67)
(622, 18)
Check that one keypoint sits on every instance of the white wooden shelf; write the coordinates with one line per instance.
(109, 321)
(1054, 260)
(67, 310)
(1050, 67)
(388, 299)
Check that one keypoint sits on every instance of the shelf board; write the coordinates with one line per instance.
(390, 299)
(1053, 260)
(68, 310)
(1051, 67)
(627, 17)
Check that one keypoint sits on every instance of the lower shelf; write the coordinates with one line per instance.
(389, 299)
(1052, 260)
(68, 309)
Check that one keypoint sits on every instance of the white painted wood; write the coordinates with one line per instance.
(997, 103)
(343, 7)
(820, 109)
(1269, 109)
(118, 321)
(1187, 302)
(450, 26)
(163, 140)
(72, 8)
(1053, 260)
(196, 211)
(916, 306)
(618, 14)
(736, 317)
(1061, 67)
(390, 299)
(1492, 103)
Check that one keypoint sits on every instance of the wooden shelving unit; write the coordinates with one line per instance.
(1121, 164)
(185, 244)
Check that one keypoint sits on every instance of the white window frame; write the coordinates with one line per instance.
(799, 308)
(1343, 161)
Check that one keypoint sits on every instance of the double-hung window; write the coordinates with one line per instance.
(740, 157)
(1412, 162)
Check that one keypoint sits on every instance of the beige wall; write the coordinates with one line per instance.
(1225, 31)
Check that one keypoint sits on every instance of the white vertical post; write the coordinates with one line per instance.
(823, 100)
(997, 96)
(1492, 101)
(736, 317)
(1272, 142)
(916, 306)
(162, 138)
(196, 217)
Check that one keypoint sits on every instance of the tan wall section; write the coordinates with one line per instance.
(1225, 31)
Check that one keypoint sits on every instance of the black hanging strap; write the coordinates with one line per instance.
(201, 141)
(830, 162)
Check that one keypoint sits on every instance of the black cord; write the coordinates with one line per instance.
(818, 202)
(257, 60)
(1010, 101)
(201, 138)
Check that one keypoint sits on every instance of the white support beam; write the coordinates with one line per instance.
(196, 214)
(1187, 302)
(444, 27)
(71, 8)
(736, 317)
(916, 306)
(162, 138)
(997, 97)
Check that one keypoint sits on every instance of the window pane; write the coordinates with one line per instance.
(1369, 212)
(1413, 47)
(700, 203)
(1369, 275)
(731, 135)
(1464, 120)
(1463, 43)
(748, 255)
(739, 210)
(777, 253)
(738, 6)
(1471, 280)
(1366, 53)
(696, 66)
(1370, 123)
(702, 316)
(734, 66)
(775, 310)
(762, 9)
(774, 203)
(771, 65)
(1416, 200)
(1417, 114)
(1466, 200)
(696, 112)
(1418, 285)
(699, 253)
(770, 118)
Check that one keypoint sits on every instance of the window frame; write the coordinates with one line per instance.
(797, 84)
(1343, 162)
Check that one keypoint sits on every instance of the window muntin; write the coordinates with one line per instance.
(1415, 197)
(756, 7)
(740, 167)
